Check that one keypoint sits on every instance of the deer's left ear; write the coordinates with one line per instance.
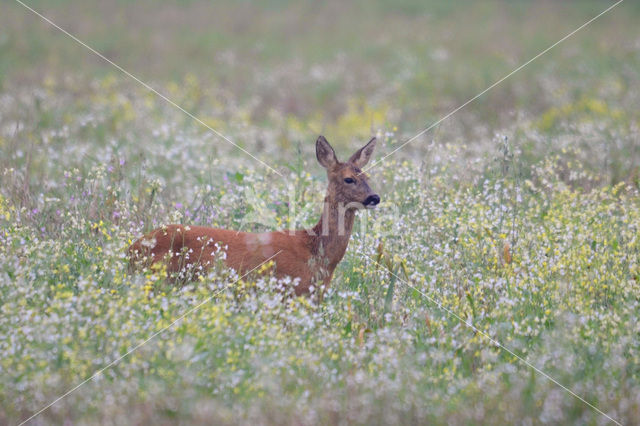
(363, 155)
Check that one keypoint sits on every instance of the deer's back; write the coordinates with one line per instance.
(180, 246)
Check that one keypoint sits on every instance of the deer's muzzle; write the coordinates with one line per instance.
(372, 201)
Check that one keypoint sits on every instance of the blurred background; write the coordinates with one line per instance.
(272, 75)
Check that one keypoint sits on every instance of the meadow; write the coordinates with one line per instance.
(512, 224)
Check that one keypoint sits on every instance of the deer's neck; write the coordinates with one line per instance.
(331, 235)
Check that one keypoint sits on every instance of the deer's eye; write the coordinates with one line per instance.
(349, 180)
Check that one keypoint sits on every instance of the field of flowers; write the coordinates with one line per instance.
(497, 282)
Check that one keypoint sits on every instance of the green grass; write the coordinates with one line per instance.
(519, 214)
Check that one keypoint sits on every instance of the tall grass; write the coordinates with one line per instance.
(530, 235)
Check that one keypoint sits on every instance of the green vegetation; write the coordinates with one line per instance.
(520, 213)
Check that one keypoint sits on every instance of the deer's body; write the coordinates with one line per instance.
(309, 255)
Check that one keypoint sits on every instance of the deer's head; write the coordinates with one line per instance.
(348, 185)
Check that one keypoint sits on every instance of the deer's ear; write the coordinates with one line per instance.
(325, 154)
(363, 155)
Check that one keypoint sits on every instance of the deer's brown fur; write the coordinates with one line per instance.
(309, 255)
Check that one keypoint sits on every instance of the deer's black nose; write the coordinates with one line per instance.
(372, 200)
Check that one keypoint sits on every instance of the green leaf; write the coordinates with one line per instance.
(388, 299)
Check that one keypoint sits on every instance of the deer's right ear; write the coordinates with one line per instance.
(325, 154)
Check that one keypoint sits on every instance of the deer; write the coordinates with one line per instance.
(308, 256)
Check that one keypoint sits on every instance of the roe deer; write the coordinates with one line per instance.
(310, 255)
